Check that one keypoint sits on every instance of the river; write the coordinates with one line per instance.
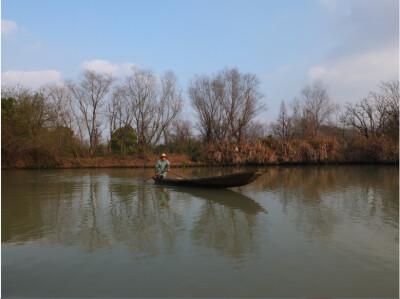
(304, 231)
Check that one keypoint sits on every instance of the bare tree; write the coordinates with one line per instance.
(387, 99)
(226, 103)
(59, 97)
(64, 121)
(89, 94)
(204, 97)
(16, 91)
(376, 114)
(170, 105)
(113, 109)
(241, 101)
(314, 108)
(363, 118)
(255, 131)
(118, 112)
(154, 103)
(181, 131)
(283, 127)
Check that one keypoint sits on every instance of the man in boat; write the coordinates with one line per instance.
(162, 167)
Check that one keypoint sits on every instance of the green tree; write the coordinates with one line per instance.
(124, 141)
(26, 129)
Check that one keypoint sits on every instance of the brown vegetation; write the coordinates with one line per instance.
(317, 150)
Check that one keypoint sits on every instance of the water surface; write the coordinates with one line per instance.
(306, 231)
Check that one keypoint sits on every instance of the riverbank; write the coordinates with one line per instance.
(176, 161)
(324, 150)
(101, 162)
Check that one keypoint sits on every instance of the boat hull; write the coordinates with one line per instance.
(224, 181)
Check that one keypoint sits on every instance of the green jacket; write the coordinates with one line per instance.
(162, 166)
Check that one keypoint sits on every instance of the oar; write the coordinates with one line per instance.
(179, 175)
(147, 179)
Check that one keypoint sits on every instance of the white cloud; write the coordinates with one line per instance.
(33, 79)
(128, 67)
(8, 27)
(352, 77)
(104, 66)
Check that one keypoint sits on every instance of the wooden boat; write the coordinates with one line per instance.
(223, 181)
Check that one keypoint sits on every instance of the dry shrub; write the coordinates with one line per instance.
(307, 153)
(262, 155)
(288, 152)
(326, 149)
(373, 150)
(381, 149)
(240, 154)
(322, 149)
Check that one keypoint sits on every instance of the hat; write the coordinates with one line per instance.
(163, 155)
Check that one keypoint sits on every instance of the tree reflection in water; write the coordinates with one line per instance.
(323, 197)
(99, 209)
(142, 221)
(226, 221)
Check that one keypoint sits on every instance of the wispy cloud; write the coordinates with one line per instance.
(33, 79)
(105, 66)
(352, 77)
(368, 48)
(8, 27)
(363, 26)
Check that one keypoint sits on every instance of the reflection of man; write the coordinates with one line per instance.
(162, 167)
(163, 197)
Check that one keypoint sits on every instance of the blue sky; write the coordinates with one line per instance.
(350, 44)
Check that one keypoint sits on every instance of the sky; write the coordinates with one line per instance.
(351, 45)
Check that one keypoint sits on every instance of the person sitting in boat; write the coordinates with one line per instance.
(162, 167)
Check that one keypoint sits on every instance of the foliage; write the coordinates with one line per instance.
(124, 141)
(100, 150)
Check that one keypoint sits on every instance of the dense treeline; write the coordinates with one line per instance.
(97, 115)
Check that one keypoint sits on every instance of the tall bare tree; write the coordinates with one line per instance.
(226, 103)
(118, 113)
(314, 107)
(90, 93)
(64, 121)
(154, 103)
(204, 97)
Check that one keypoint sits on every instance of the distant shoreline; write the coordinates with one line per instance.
(177, 161)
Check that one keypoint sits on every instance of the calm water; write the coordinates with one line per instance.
(295, 232)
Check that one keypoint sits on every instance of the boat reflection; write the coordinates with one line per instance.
(225, 220)
(224, 197)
